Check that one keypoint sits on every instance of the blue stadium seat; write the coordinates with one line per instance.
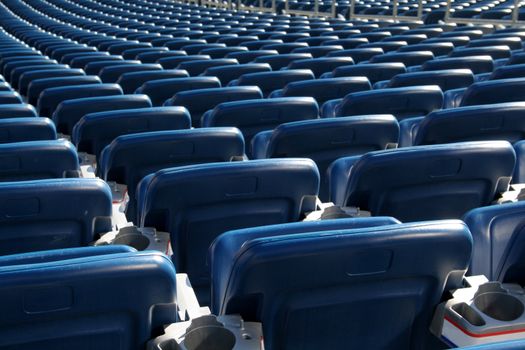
(254, 116)
(284, 48)
(221, 52)
(197, 67)
(321, 65)
(52, 214)
(69, 112)
(438, 49)
(249, 56)
(504, 121)
(412, 58)
(10, 97)
(132, 54)
(17, 111)
(373, 71)
(199, 101)
(112, 74)
(477, 64)
(33, 160)
(36, 86)
(234, 195)
(129, 158)
(324, 89)
(228, 73)
(94, 131)
(282, 60)
(270, 81)
(447, 79)
(26, 129)
(318, 51)
(26, 78)
(152, 57)
(358, 54)
(172, 62)
(444, 181)
(83, 61)
(133, 80)
(494, 91)
(403, 102)
(499, 244)
(95, 68)
(161, 90)
(495, 52)
(325, 140)
(94, 299)
(366, 278)
(508, 72)
(50, 98)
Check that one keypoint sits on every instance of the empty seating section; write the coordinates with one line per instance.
(294, 162)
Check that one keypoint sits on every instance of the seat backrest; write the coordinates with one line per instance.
(494, 91)
(270, 81)
(444, 181)
(495, 52)
(249, 56)
(446, 79)
(96, 67)
(20, 110)
(161, 90)
(499, 242)
(365, 278)
(373, 71)
(129, 158)
(199, 101)
(325, 140)
(94, 131)
(358, 54)
(509, 71)
(438, 49)
(321, 65)
(33, 160)
(477, 64)
(413, 58)
(133, 80)
(36, 86)
(52, 213)
(104, 301)
(195, 68)
(50, 98)
(69, 112)
(403, 102)
(196, 203)
(26, 129)
(253, 116)
(111, 74)
(325, 89)
(229, 73)
(504, 121)
(26, 78)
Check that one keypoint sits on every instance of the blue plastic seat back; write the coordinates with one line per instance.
(96, 67)
(414, 58)
(358, 54)
(36, 86)
(438, 49)
(10, 97)
(324, 89)
(94, 131)
(321, 65)
(197, 67)
(174, 61)
(50, 98)
(199, 202)
(373, 71)
(325, 140)
(447, 79)
(505, 121)
(161, 90)
(112, 74)
(270, 81)
(282, 60)
(494, 91)
(199, 101)
(33, 160)
(444, 182)
(499, 243)
(495, 52)
(254, 116)
(513, 42)
(83, 61)
(69, 112)
(228, 73)
(129, 158)
(403, 102)
(249, 56)
(21, 110)
(52, 214)
(152, 57)
(26, 129)
(133, 80)
(71, 57)
(508, 72)
(366, 278)
(477, 64)
(26, 78)
(86, 302)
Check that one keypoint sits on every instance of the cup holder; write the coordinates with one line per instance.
(499, 306)
(132, 237)
(206, 333)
